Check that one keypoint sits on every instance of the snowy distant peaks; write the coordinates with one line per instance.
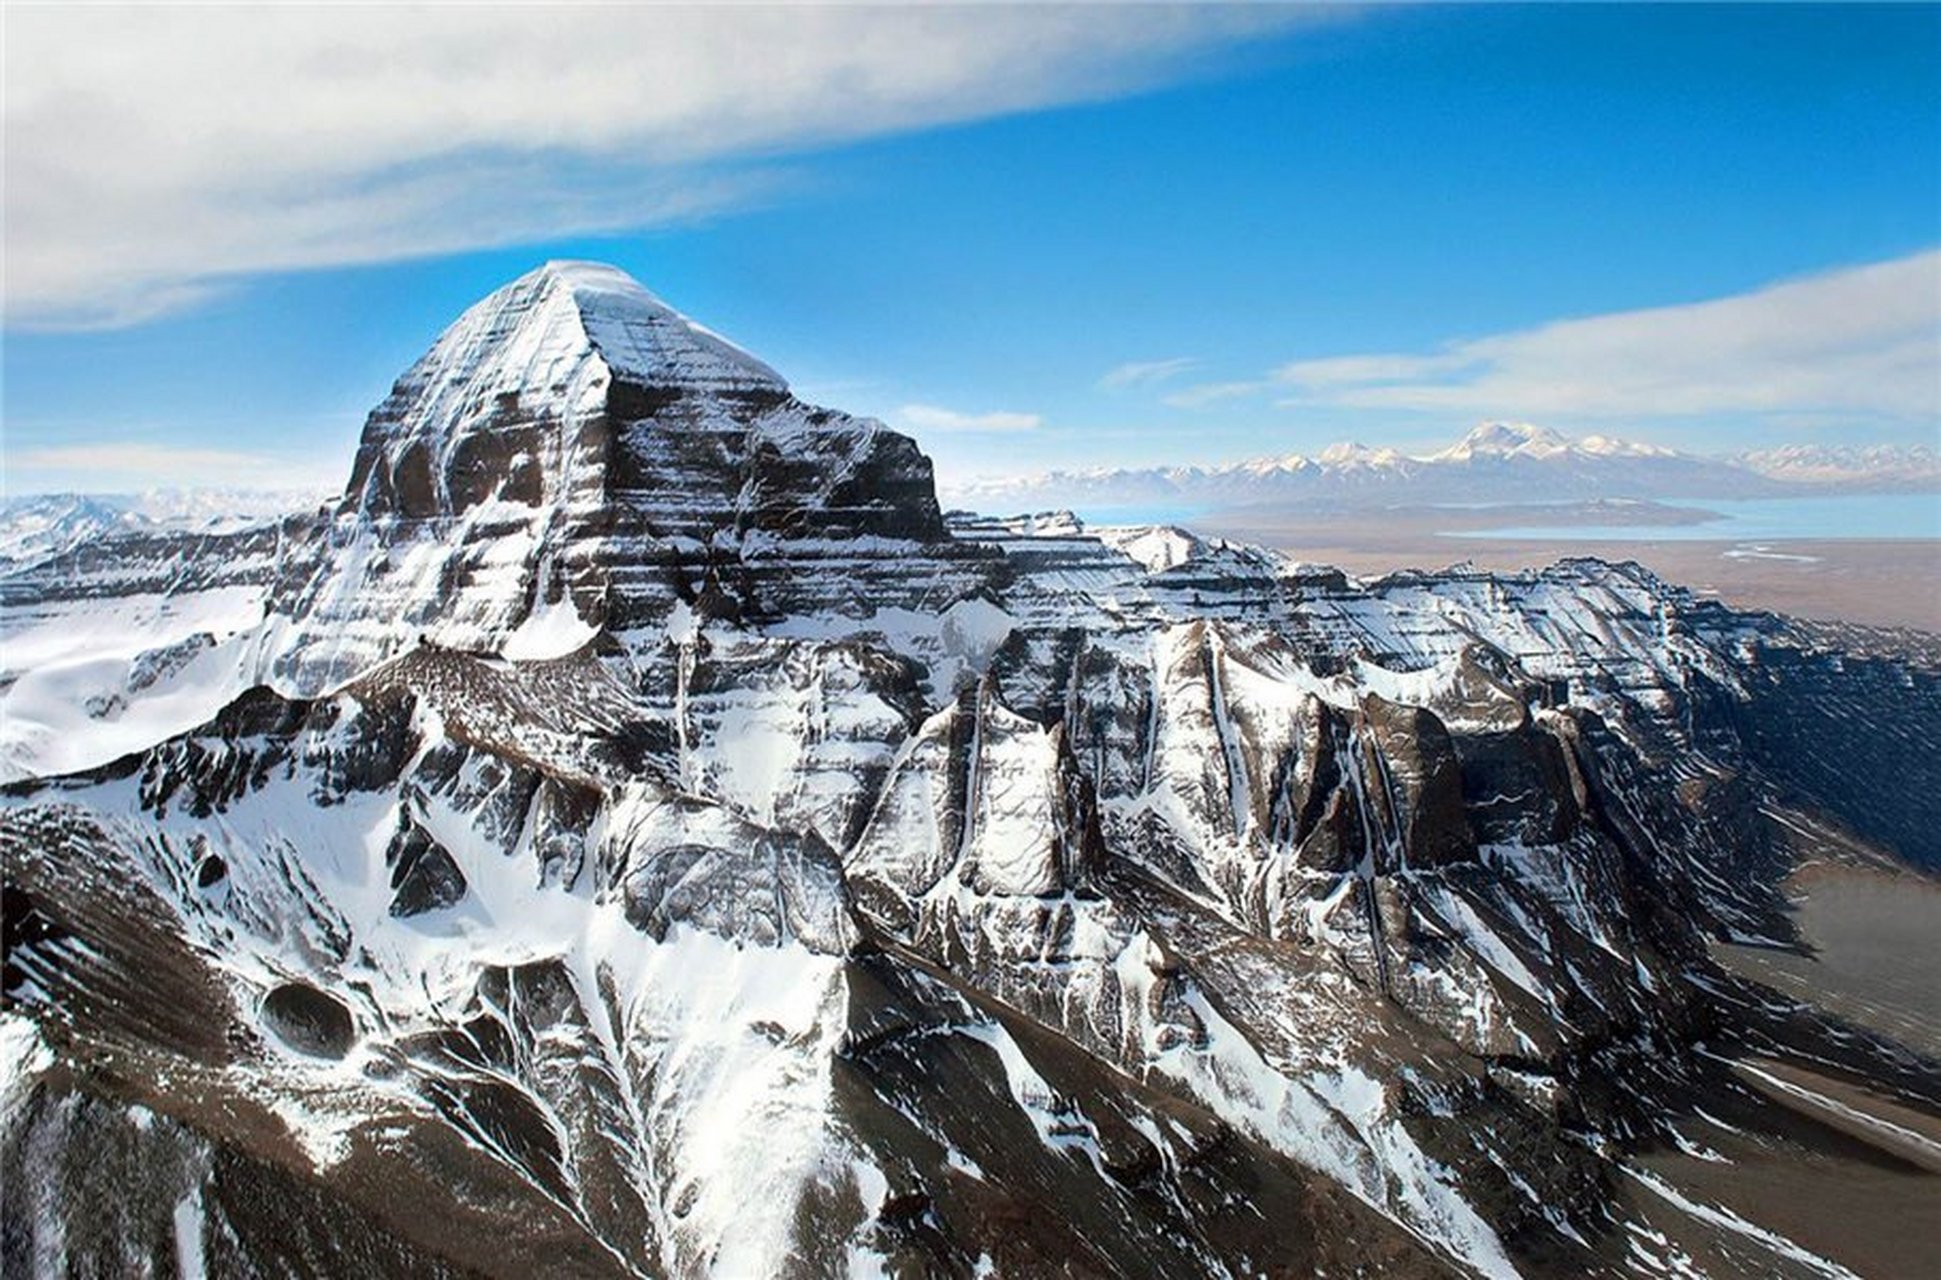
(1504, 440)
(1352, 453)
(1861, 465)
(1506, 437)
(1495, 462)
(33, 526)
(1499, 440)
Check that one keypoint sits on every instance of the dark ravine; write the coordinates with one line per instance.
(640, 834)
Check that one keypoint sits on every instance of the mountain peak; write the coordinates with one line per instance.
(1496, 440)
(636, 334)
(1512, 437)
(573, 452)
(514, 389)
(1353, 453)
(1342, 451)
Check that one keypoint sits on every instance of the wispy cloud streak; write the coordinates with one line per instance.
(154, 153)
(1212, 393)
(921, 418)
(1863, 342)
(1143, 373)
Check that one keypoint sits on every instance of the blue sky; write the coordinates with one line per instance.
(1034, 239)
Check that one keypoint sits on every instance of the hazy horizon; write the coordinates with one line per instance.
(1032, 238)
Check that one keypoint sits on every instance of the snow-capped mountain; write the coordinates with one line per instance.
(1916, 468)
(1495, 462)
(45, 524)
(635, 832)
(35, 526)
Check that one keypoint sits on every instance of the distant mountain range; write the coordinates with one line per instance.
(1495, 462)
(36, 525)
(1878, 468)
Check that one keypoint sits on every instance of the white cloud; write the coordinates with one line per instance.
(155, 152)
(1354, 370)
(126, 466)
(918, 418)
(1137, 373)
(1862, 342)
(1213, 393)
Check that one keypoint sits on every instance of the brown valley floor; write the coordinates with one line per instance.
(1878, 582)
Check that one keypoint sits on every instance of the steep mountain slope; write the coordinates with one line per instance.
(636, 833)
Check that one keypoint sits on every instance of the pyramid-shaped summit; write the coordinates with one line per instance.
(573, 439)
(566, 308)
(497, 407)
(575, 389)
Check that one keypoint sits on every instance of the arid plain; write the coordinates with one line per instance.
(1882, 582)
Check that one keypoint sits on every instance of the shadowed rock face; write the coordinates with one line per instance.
(645, 838)
(423, 875)
(1420, 792)
(308, 1020)
(574, 387)
(520, 400)
(573, 444)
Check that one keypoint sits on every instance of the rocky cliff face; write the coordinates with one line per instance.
(635, 833)
(573, 454)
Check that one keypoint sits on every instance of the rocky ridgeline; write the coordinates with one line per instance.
(636, 833)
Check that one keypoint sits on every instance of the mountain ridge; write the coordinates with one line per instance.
(1496, 461)
(637, 832)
